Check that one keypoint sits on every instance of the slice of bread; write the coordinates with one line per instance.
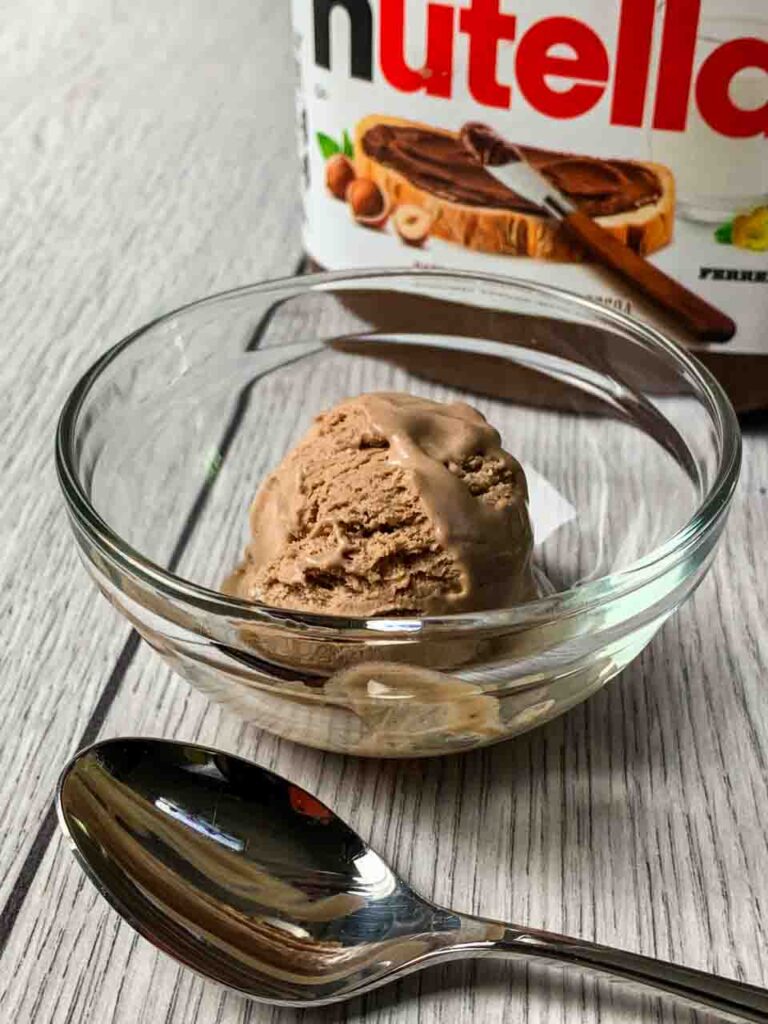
(512, 232)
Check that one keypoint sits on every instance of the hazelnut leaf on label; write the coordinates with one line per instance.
(347, 147)
(724, 234)
(328, 146)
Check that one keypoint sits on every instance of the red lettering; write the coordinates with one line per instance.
(678, 46)
(436, 76)
(633, 62)
(486, 26)
(713, 89)
(535, 62)
(568, 50)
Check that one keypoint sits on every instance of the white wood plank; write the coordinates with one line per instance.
(138, 144)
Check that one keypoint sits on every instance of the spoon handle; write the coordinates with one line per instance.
(733, 1000)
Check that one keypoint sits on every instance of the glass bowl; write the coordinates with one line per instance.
(632, 453)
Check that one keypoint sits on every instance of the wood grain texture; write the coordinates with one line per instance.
(639, 819)
(134, 173)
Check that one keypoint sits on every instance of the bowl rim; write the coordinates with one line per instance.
(587, 597)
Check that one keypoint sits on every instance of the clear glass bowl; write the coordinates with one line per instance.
(631, 448)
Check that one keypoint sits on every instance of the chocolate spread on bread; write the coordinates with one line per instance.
(440, 163)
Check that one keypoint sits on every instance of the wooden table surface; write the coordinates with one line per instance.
(147, 159)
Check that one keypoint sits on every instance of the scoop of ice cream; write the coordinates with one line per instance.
(391, 505)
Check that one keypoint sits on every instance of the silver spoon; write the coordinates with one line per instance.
(252, 882)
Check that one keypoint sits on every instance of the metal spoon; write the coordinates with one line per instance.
(252, 882)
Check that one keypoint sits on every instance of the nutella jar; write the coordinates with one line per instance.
(650, 116)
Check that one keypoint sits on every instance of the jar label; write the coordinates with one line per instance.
(650, 115)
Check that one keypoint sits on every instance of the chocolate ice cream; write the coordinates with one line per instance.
(391, 505)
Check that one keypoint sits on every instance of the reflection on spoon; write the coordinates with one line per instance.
(254, 883)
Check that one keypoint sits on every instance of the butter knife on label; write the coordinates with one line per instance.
(505, 162)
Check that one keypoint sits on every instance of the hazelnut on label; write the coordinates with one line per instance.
(412, 224)
(367, 202)
(339, 175)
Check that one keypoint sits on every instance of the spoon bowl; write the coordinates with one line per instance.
(243, 876)
(252, 882)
